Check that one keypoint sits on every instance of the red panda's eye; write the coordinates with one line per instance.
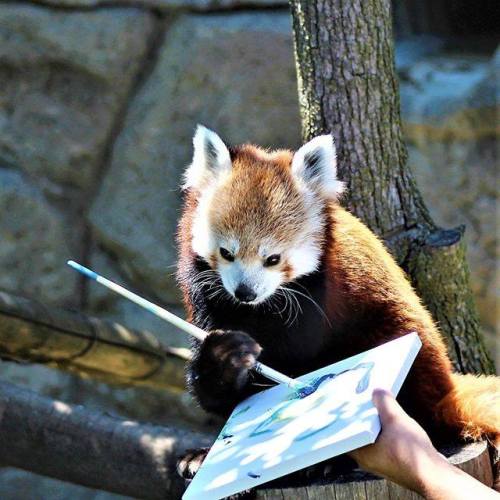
(272, 260)
(226, 254)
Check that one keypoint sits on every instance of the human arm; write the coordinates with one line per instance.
(403, 453)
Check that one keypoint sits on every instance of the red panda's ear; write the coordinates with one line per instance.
(315, 164)
(210, 158)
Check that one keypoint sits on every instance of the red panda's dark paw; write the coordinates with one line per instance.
(235, 352)
(190, 462)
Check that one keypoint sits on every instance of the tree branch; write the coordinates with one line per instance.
(30, 331)
(75, 444)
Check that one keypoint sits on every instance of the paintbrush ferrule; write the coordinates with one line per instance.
(278, 377)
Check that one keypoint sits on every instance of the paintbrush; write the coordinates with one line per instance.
(268, 372)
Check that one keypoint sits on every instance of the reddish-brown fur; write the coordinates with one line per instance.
(262, 199)
(364, 275)
(362, 280)
(471, 399)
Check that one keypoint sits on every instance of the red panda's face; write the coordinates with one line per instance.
(260, 221)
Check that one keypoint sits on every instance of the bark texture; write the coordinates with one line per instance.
(71, 443)
(87, 346)
(347, 86)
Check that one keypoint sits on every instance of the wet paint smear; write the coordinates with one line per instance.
(362, 385)
(307, 435)
(313, 387)
(365, 379)
(280, 416)
(224, 433)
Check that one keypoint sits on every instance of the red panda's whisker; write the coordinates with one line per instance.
(217, 293)
(284, 295)
(287, 303)
(291, 303)
(308, 297)
(298, 309)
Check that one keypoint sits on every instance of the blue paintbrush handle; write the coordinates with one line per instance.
(193, 330)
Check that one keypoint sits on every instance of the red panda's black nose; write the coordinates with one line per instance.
(244, 293)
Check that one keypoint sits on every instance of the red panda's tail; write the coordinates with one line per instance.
(474, 405)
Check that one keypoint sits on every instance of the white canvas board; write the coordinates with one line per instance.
(275, 432)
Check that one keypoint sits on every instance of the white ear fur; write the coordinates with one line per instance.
(211, 157)
(315, 164)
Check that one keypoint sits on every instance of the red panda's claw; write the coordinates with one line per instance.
(189, 463)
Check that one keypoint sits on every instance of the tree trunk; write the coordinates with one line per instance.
(96, 450)
(347, 86)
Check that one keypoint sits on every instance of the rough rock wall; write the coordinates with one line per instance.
(98, 103)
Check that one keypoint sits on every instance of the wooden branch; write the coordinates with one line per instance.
(75, 444)
(96, 450)
(30, 331)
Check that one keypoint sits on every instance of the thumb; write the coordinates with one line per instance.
(387, 406)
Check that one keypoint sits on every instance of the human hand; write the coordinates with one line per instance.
(403, 452)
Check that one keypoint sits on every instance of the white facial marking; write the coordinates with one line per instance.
(232, 244)
(210, 165)
(314, 171)
(203, 241)
(261, 280)
(304, 258)
(268, 248)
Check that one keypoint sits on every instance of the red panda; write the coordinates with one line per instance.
(274, 266)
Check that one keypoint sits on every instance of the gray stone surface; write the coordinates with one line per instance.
(104, 303)
(33, 243)
(410, 50)
(234, 73)
(438, 90)
(169, 5)
(450, 118)
(64, 77)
